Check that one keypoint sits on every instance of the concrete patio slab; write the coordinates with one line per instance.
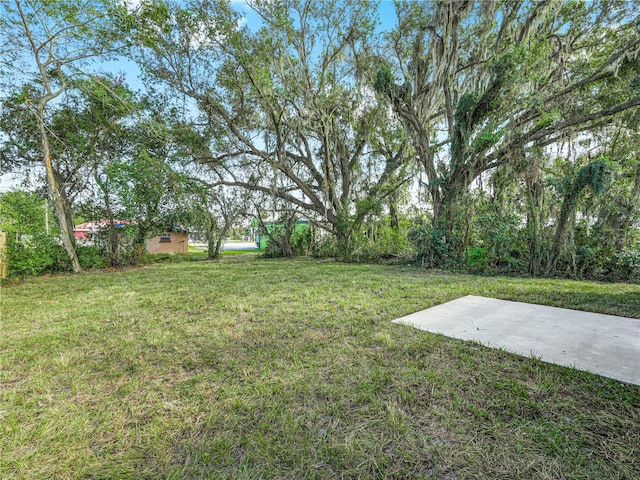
(604, 344)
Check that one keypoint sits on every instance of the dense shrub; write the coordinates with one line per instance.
(302, 241)
(380, 242)
(478, 259)
(40, 254)
(92, 257)
(433, 247)
(126, 252)
(377, 241)
(325, 246)
(35, 255)
(289, 240)
(498, 234)
(626, 265)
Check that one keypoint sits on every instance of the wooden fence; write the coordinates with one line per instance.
(3, 255)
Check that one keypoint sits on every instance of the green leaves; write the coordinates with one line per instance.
(465, 108)
(547, 119)
(23, 213)
(487, 138)
(594, 175)
(385, 83)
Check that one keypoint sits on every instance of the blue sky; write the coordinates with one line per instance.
(386, 10)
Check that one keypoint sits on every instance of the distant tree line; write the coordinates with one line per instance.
(495, 137)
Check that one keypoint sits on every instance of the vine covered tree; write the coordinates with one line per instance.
(479, 85)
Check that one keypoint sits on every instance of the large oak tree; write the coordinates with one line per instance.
(291, 104)
(482, 84)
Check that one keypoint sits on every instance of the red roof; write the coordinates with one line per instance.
(80, 231)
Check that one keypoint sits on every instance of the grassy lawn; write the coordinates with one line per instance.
(247, 368)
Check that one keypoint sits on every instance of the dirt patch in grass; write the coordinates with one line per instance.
(247, 368)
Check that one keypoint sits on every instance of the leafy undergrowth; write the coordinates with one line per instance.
(248, 368)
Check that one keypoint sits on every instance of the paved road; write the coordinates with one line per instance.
(240, 246)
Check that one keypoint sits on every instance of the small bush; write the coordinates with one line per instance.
(478, 259)
(302, 241)
(291, 240)
(433, 249)
(92, 257)
(626, 266)
(381, 242)
(500, 235)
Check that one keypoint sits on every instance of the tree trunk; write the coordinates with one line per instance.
(224, 232)
(444, 213)
(55, 190)
(57, 195)
(286, 241)
(532, 226)
(562, 231)
(628, 215)
(112, 246)
(393, 211)
(113, 250)
(533, 191)
(343, 233)
(64, 199)
(214, 243)
(112, 241)
(139, 246)
(634, 207)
